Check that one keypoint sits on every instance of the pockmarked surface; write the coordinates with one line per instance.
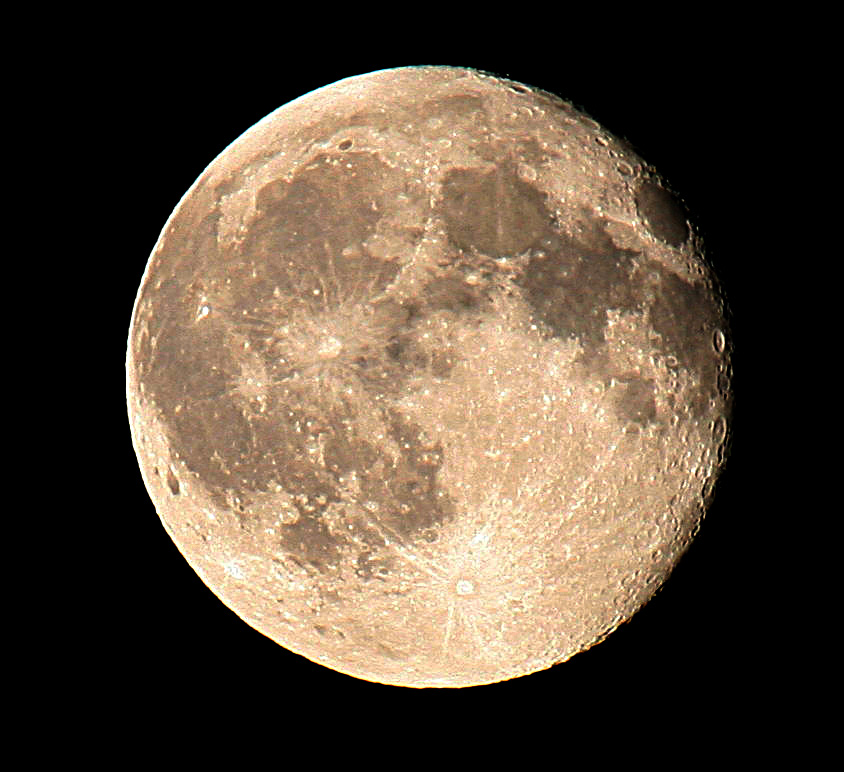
(428, 378)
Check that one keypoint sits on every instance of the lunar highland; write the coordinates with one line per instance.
(428, 378)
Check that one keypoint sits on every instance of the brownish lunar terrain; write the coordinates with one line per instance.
(428, 378)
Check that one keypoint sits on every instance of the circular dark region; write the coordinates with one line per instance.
(662, 213)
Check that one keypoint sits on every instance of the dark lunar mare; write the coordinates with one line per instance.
(291, 260)
(294, 248)
(571, 281)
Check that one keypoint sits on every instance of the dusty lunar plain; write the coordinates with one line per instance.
(428, 378)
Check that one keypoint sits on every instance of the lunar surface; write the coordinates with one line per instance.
(428, 378)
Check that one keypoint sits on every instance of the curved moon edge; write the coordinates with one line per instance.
(428, 378)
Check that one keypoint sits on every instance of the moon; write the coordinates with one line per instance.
(428, 378)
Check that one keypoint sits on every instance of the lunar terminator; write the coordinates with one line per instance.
(428, 378)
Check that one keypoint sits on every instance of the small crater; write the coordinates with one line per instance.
(172, 483)
(345, 144)
(719, 342)
(389, 653)
(395, 348)
(519, 89)
(719, 429)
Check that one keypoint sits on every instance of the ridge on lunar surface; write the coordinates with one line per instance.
(428, 378)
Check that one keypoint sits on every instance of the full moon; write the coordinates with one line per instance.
(428, 378)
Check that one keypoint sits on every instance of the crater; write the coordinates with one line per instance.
(662, 213)
(172, 482)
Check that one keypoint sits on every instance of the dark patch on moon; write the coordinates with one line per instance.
(446, 294)
(493, 211)
(415, 502)
(685, 316)
(636, 402)
(407, 352)
(205, 428)
(311, 218)
(570, 284)
(662, 213)
(402, 493)
(168, 294)
(454, 106)
(452, 293)
(368, 566)
(311, 541)
(305, 223)
(570, 281)
(291, 259)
